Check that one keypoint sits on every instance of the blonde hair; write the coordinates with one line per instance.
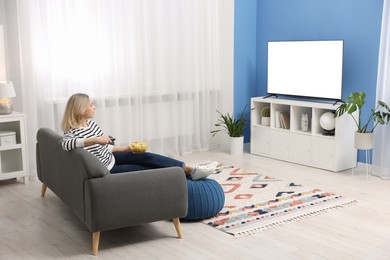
(75, 108)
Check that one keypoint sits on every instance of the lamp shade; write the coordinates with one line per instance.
(7, 89)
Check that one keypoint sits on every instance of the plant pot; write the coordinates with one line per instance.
(236, 145)
(265, 120)
(364, 141)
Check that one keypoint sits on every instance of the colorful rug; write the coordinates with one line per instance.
(255, 202)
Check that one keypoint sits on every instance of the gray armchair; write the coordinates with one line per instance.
(104, 201)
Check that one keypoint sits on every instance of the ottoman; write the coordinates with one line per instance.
(205, 199)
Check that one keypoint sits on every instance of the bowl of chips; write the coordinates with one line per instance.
(138, 147)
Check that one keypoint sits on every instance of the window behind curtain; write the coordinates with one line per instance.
(151, 66)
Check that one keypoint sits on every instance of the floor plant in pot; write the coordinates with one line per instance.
(364, 133)
(234, 127)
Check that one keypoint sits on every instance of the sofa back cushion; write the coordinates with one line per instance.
(63, 172)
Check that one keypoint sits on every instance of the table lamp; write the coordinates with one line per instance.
(6, 91)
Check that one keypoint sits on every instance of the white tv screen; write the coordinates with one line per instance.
(305, 68)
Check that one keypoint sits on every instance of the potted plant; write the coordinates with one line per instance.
(364, 133)
(234, 127)
(265, 116)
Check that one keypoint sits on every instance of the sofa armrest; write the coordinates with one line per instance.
(131, 198)
(52, 160)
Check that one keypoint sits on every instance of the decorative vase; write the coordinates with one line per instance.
(236, 145)
(364, 141)
(265, 120)
(304, 122)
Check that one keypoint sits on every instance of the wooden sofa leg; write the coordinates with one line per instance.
(95, 242)
(43, 190)
(176, 222)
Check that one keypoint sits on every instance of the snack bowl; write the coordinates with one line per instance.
(138, 147)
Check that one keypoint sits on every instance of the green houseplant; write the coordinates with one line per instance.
(265, 116)
(234, 127)
(355, 102)
(364, 137)
(265, 112)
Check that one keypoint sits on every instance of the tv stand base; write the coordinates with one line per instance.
(270, 95)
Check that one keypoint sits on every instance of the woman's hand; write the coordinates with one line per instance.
(121, 149)
(104, 139)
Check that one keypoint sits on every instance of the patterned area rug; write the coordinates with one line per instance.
(255, 202)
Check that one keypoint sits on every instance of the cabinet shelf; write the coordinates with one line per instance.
(302, 143)
(302, 132)
(260, 125)
(10, 147)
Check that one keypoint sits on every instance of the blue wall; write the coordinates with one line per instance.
(245, 58)
(358, 23)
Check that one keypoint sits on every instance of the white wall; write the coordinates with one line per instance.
(8, 18)
(3, 70)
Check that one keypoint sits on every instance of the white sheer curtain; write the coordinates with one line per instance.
(151, 66)
(382, 133)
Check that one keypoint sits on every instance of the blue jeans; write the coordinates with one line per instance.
(128, 161)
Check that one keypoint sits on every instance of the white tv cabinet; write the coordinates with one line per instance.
(311, 148)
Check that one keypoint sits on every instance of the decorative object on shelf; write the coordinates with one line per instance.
(328, 122)
(234, 127)
(265, 116)
(6, 91)
(7, 137)
(304, 122)
(355, 102)
(282, 119)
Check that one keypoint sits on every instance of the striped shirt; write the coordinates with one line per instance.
(75, 138)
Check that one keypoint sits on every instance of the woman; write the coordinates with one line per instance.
(80, 131)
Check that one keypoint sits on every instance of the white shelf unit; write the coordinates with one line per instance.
(13, 156)
(310, 148)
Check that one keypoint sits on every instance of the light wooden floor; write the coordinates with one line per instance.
(36, 228)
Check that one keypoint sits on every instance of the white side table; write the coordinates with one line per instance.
(13, 152)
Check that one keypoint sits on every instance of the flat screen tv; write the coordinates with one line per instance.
(305, 68)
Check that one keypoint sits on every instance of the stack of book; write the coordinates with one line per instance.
(282, 119)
